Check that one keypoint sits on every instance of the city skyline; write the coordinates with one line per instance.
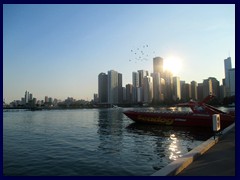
(59, 50)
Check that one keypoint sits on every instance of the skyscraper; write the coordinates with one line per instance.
(188, 94)
(103, 88)
(112, 87)
(194, 90)
(176, 88)
(227, 67)
(231, 73)
(26, 97)
(200, 91)
(135, 83)
(142, 74)
(120, 90)
(147, 89)
(207, 87)
(158, 87)
(169, 85)
(215, 86)
(129, 88)
(158, 65)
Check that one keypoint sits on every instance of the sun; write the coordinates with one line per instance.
(173, 64)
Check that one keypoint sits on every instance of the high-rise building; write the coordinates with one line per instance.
(188, 93)
(50, 100)
(182, 89)
(46, 99)
(103, 88)
(158, 87)
(142, 74)
(112, 87)
(26, 97)
(120, 90)
(129, 90)
(30, 97)
(194, 90)
(169, 85)
(158, 65)
(222, 92)
(95, 98)
(207, 87)
(124, 94)
(231, 73)
(176, 88)
(135, 83)
(200, 91)
(215, 86)
(147, 89)
(139, 94)
(227, 67)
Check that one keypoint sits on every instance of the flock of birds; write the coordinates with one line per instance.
(141, 54)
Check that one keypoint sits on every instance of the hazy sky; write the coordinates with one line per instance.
(59, 50)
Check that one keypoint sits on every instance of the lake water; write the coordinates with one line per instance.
(89, 142)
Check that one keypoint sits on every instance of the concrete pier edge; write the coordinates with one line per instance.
(181, 163)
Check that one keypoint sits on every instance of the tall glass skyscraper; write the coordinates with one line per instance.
(103, 88)
(158, 65)
(113, 87)
(227, 67)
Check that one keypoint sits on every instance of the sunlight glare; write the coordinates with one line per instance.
(173, 64)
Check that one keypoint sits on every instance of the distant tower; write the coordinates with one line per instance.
(227, 67)
(200, 91)
(120, 89)
(46, 99)
(26, 97)
(103, 88)
(113, 87)
(169, 85)
(207, 87)
(231, 73)
(158, 87)
(147, 89)
(176, 89)
(129, 88)
(215, 86)
(142, 74)
(158, 65)
(194, 90)
(135, 83)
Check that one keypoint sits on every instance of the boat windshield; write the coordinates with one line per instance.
(199, 109)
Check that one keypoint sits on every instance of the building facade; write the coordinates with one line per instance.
(194, 90)
(147, 89)
(231, 73)
(158, 65)
(227, 67)
(102, 88)
(112, 87)
(176, 88)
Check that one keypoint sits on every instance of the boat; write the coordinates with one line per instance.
(201, 115)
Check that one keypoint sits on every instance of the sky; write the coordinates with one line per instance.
(59, 50)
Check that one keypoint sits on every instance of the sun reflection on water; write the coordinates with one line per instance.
(173, 148)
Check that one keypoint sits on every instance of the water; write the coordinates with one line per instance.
(83, 142)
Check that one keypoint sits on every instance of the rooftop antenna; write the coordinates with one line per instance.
(228, 53)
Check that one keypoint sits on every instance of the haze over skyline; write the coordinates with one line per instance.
(59, 50)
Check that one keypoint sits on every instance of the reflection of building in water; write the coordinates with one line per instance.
(110, 130)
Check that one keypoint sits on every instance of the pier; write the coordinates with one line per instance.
(214, 157)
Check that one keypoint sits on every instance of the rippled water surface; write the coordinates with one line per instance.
(90, 142)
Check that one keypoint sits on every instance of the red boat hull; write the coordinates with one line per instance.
(179, 119)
